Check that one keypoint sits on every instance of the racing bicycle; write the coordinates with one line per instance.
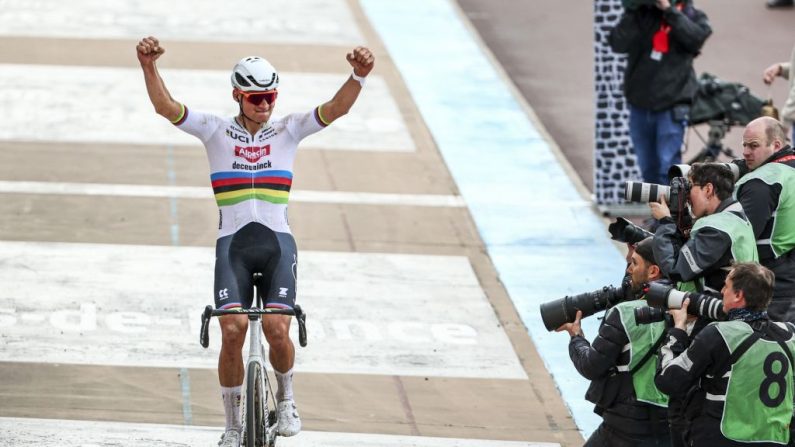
(259, 405)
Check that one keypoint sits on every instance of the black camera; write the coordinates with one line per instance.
(665, 296)
(625, 231)
(564, 310)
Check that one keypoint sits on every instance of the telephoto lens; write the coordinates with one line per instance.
(665, 296)
(737, 167)
(680, 170)
(564, 310)
(649, 315)
(639, 192)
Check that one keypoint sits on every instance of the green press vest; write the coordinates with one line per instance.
(758, 403)
(743, 246)
(641, 339)
(782, 238)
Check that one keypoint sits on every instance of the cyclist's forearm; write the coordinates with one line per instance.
(342, 101)
(161, 99)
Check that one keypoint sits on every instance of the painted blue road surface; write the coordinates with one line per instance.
(544, 238)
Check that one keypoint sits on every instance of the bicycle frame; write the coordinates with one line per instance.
(255, 411)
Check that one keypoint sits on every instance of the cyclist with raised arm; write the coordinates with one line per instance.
(251, 162)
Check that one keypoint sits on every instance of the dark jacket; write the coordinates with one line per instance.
(659, 85)
(709, 250)
(759, 201)
(613, 391)
(695, 374)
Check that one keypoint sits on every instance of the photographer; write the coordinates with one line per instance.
(620, 364)
(721, 233)
(661, 41)
(738, 390)
(767, 195)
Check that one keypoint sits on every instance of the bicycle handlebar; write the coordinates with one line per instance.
(209, 312)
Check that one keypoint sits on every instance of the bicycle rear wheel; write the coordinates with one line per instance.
(256, 414)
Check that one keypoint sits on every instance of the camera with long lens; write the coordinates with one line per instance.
(625, 231)
(661, 296)
(564, 310)
(676, 195)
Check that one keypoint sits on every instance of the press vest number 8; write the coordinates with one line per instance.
(774, 378)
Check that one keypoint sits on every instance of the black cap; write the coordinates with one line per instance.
(645, 250)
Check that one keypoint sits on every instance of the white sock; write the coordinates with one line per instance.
(231, 396)
(285, 382)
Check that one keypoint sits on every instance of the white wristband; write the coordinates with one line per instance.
(359, 79)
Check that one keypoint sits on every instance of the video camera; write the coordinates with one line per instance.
(564, 310)
(661, 297)
(729, 102)
(721, 105)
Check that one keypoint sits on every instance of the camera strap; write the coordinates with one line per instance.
(744, 346)
(649, 353)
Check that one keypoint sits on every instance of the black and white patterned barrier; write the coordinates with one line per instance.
(614, 161)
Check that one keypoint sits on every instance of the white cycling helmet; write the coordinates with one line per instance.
(254, 74)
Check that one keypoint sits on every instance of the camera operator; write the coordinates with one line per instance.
(721, 233)
(756, 405)
(661, 41)
(767, 195)
(621, 365)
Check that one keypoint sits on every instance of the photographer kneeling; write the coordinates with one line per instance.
(621, 365)
(739, 389)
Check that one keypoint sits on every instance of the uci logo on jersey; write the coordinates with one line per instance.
(236, 136)
(253, 153)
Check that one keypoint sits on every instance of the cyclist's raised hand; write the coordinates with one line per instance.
(149, 50)
(362, 61)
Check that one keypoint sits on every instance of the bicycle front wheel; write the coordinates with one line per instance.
(256, 415)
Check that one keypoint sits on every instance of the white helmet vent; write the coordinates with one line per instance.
(254, 74)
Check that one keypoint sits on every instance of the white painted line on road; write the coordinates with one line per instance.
(368, 313)
(321, 22)
(205, 192)
(61, 433)
(110, 105)
(363, 198)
